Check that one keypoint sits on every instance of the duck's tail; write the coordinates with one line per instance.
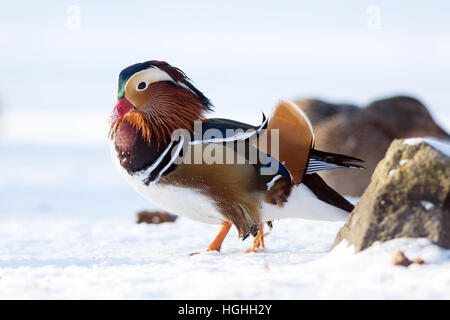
(325, 193)
(321, 160)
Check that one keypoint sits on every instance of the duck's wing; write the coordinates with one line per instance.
(219, 130)
(295, 138)
(296, 144)
(225, 131)
(224, 124)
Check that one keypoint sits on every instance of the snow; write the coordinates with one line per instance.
(440, 145)
(68, 231)
(393, 172)
(118, 259)
(427, 204)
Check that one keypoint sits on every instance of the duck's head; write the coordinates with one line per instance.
(156, 98)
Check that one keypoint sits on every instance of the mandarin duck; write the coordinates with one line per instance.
(216, 170)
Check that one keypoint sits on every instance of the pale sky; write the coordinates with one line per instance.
(243, 56)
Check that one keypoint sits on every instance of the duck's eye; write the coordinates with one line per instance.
(142, 86)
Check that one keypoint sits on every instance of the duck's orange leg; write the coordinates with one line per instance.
(218, 240)
(216, 244)
(258, 242)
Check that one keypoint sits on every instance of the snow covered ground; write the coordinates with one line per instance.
(68, 231)
(82, 258)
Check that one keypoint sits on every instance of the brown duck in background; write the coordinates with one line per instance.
(366, 133)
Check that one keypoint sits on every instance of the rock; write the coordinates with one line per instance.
(155, 217)
(408, 196)
(400, 259)
(418, 260)
(366, 133)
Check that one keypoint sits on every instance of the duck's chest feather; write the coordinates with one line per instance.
(135, 154)
(181, 200)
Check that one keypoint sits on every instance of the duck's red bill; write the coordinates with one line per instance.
(122, 107)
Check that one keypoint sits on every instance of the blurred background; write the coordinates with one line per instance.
(60, 62)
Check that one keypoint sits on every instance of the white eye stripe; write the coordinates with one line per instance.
(150, 75)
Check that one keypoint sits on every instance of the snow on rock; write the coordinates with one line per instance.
(393, 172)
(440, 145)
(427, 204)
